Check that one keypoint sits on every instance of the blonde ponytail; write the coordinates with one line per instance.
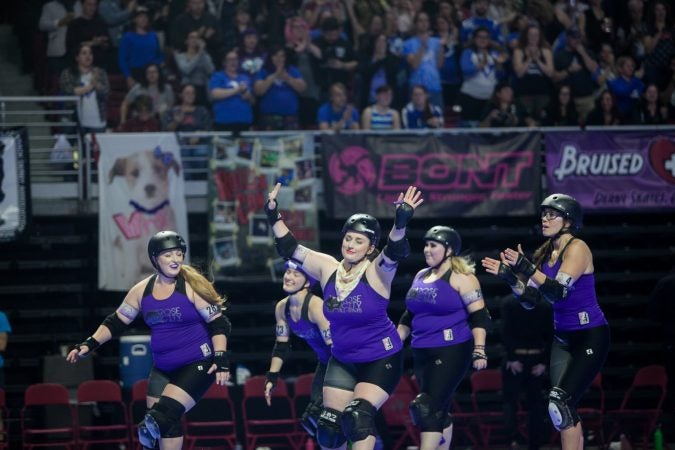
(203, 287)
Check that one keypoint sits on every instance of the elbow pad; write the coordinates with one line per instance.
(397, 250)
(529, 298)
(286, 245)
(480, 319)
(114, 324)
(553, 291)
(406, 319)
(219, 325)
(281, 349)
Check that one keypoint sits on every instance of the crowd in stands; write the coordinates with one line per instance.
(234, 65)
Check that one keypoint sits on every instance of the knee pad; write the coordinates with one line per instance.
(163, 419)
(426, 414)
(329, 429)
(358, 420)
(310, 417)
(562, 415)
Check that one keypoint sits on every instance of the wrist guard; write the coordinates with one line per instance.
(524, 266)
(397, 250)
(91, 343)
(222, 361)
(403, 215)
(273, 215)
(271, 377)
(506, 273)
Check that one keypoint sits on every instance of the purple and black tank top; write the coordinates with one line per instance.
(580, 309)
(359, 325)
(178, 332)
(440, 318)
(307, 330)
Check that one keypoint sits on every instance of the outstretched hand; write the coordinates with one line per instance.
(77, 353)
(412, 197)
(491, 265)
(511, 256)
(272, 196)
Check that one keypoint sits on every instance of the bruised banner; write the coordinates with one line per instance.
(613, 170)
(14, 184)
(467, 175)
(243, 171)
(141, 192)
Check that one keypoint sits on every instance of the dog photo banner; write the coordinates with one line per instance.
(141, 192)
(460, 175)
(243, 171)
(14, 184)
(613, 171)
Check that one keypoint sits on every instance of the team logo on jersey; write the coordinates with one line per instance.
(206, 350)
(583, 318)
(387, 343)
(447, 334)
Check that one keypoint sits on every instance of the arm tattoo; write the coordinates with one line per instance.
(472, 296)
(128, 311)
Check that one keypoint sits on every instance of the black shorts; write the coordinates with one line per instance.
(385, 373)
(192, 378)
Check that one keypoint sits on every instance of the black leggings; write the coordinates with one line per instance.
(192, 378)
(576, 358)
(439, 370)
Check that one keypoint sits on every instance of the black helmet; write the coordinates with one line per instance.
(364, 224)
(447, 236)
(164, 240)
(567, 206)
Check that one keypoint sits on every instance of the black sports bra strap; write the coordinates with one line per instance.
(148, 287)
(562, 252)
(304, 314)
(180, 285)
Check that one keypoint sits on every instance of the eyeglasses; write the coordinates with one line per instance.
(550, 214)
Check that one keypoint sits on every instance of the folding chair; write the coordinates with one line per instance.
(302, 393)
(641, 405)
(47, 418)
(275, 425)
(101, 414)
(137, 409)
(396, 414)
(212, 420)
(488, 403)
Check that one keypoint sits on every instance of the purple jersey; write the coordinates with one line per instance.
(580, 309)
(178, 333)
(439, 315)
(359, 325)
(308, 330)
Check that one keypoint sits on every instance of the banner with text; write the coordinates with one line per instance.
(243, 171)
(141, 192)
(613, 170)
(14, 184)
(464, 175)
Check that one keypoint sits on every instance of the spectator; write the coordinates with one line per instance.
(479, 68)
(659, 43)
(366, 40)
(650, 110)
(605, 112)
(420, 112)
(54, 20)
(304, 55)
(575, 65)
(503, 112)
(251, 55)
(194, 65)
(381, 116)
(450, 72)
(378, 66)
(272, 17)
(533, 68)
(116, 16)
(143, 119)
(196, 18)
(425, 56)
(517, 29)
(231, 96)
(313, 11)
(668, 95)
(627, 88)
(5, 330)
(607, 69)
(561, 112)
(600, 27)
(631, 35)
(91, 30)
(187, 116)
(91, 85)
(234, 33)
(139, 48)
(337, 115)
(279, 86)
(337, 62)
(154, 85)
(479, 20)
